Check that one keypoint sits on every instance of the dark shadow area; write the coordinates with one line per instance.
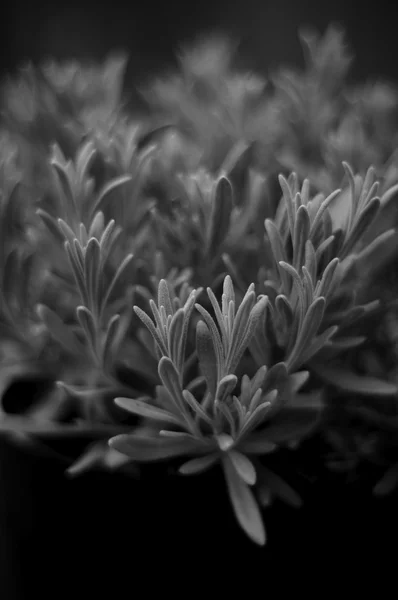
(103, 534)
(151, 32)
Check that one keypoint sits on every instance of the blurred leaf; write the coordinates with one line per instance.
(358, 384)
(220, 216)
(145, 409)
(388, 482)
(198, 465)
(279, 487)
(59, 331)
(107, 189)
(147, 449)
(243, 466)
(245, 507)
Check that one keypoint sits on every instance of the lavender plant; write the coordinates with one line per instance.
(190, 306)
(203, 418)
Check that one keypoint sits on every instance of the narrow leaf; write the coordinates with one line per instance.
(188, 309)
(287, 196)
(51, 223)
(257, 445)
(215, 337)
(225, 387)
(59, 331)
(245, 507)
(146, 410)
(207, 356)
(318, 343)
(228, 291)
(327, 278)
(298, 284)
(77, 272)
(285, 311)
(345, 343)
(240, 323)
(68, 232)
(109, 345)
(92, 272)
(309, 329)
(106, 235)
(388, 482)
(297, 380)
(148, 449)
(364, 221)
(276, 377)
(175, 336)
(390, 193)
(258, 380)
(89, 326)
(164, 297)
(117, 276)
(370, 252)
(152, 329)
(358, 384)
(311, 261)
(236, 158)
(255, 318)
(196, 407)
(198, 465)
(83, 160)
(278, 251)
(219, 317)
(321, 211)
(280, 488)
(243, 466)
(171, 381)
(300, 236)
(220, 216)
(66, 187)
(87, 460)
(97, 226)
(107, 189)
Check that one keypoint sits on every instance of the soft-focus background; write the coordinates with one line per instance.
(151, 31)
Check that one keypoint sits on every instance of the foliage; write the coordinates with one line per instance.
(201, 283)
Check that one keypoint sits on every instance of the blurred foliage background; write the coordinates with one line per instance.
(151, 31)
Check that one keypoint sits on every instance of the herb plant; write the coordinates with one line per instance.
(198, 280)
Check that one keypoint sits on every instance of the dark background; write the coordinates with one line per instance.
(151, 30)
